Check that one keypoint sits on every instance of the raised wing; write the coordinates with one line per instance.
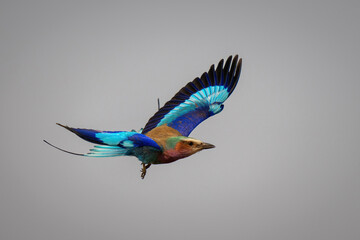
(199, 99)
(113, 143)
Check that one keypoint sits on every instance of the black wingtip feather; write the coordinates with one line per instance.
(232, 71)
(219, 71)
(198, 83)
(226, 70)
(212, 75)
(191, 86)
(235, 79)
(204, 80)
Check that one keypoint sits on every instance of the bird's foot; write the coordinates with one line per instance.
(143, 170)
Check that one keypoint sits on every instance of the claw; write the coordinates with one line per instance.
(143, 169)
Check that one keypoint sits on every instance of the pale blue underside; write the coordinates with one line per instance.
(211, 97)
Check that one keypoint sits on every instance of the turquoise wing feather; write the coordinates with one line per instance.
(199, 99)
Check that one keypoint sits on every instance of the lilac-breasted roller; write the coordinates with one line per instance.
(165, 137)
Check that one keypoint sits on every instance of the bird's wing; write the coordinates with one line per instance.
(199, 99)
(112, 143)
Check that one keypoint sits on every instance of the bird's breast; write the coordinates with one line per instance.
(170, 155)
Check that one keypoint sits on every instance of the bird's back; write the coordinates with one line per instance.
(161, 134)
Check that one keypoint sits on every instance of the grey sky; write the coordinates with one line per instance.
(287, 158)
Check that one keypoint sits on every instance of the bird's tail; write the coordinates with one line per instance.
(97, 151)
(111, 143)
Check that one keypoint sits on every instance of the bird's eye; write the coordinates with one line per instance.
(191, 143)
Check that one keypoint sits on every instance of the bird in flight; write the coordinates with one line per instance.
(165, 137)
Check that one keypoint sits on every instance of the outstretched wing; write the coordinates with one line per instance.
(113, 143)
(199, 99)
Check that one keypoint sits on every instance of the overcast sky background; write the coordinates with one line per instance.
(287, 158)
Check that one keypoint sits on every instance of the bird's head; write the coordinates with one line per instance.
(186, 146)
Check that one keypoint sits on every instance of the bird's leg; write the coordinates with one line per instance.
(143, 170)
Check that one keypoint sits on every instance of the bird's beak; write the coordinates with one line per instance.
(206, 145)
